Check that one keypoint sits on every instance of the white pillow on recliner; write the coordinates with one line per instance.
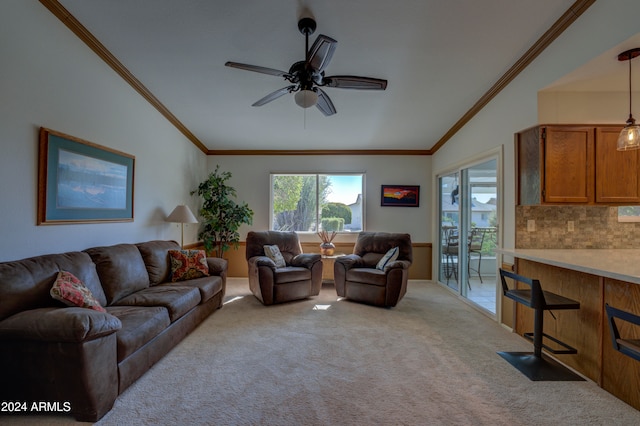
(273, 253)
(389, 257)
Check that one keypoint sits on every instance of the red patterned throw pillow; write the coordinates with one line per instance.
(188, 264)
(72, 292)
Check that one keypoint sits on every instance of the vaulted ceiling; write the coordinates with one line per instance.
(442, 60)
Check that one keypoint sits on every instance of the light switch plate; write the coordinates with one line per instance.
(531, 225)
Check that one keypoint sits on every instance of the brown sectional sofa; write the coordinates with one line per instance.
(82, 358)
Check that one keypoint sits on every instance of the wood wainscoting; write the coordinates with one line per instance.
(587, 328)
(620, 373)
(508, 305)
(582, 328)
(420, 268)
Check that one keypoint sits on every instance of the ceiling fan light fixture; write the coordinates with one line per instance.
(306, 98)
(629, 137)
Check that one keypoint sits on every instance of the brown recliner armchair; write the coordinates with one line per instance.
(357, 277)
(299, 278)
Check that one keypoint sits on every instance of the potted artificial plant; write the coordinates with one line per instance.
(222, 216)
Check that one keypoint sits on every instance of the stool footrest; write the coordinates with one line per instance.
(567, 349)
(540, 368)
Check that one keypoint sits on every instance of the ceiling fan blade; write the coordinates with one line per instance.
(321, 52)
(353, 82)
(274, 95)
(324, 103)
(255, 68)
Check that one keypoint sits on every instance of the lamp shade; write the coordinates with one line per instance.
(629, 138)
(306, 98)
(182, 214)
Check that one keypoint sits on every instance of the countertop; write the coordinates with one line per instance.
(619, 264)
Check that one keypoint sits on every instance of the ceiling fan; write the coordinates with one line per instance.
(307, 77)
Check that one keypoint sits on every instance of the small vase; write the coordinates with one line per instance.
(327, 249)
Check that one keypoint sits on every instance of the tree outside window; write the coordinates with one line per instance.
(314, 202)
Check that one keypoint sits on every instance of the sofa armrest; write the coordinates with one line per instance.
(398, 264)
(341, 265)
(306, 260)
(350, 261)
(59, 325)
(262, 261)
(217, 266)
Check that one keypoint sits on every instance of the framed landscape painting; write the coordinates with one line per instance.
(400, 195)
(82, 182)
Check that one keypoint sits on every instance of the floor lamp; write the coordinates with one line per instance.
(182, 215)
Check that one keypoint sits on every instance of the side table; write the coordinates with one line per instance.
(327, 267)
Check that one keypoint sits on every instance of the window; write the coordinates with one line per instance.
(314, 202)
(629, 214)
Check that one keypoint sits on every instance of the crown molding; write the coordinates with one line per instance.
(568, 18)
(90, 40)
(319, 152)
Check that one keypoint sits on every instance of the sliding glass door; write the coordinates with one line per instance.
(449, 213)
(468, 207)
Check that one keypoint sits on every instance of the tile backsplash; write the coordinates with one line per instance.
(595, 227)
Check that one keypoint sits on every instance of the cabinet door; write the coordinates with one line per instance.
(617, 176)
(568, 164)
(529, 154)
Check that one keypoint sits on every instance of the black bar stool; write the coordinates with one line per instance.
(629, 347)
(535, 365)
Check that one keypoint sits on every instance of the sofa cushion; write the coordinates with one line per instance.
(178, 299)
(25, 284)
(291, 274)
(59, 325)
(207, 286)
(370, 260)
(121, 270)
(381, 242)
(69, 290)
(139, 326)
(156, 259)
(367, 275)
(287, 242)
(188, 264)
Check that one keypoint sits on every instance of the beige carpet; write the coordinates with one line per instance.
(429, 361)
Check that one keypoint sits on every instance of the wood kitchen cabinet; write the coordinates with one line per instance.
(575, 164)
(617, 172)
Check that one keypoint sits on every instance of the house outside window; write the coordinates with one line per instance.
(316, 201)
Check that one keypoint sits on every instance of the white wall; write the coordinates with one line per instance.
(605, 24)
(585, 107)
(49, 78)
(250, 178)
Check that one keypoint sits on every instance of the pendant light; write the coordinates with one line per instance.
(629, 136)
